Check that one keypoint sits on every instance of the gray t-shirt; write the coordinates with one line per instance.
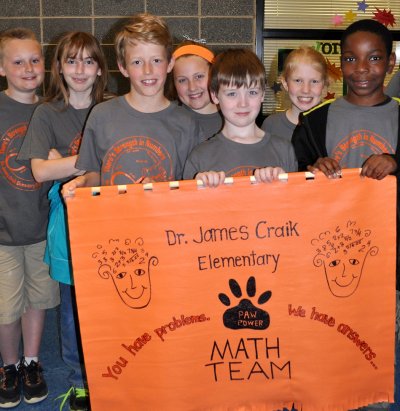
(210, 124)
(236, 159)
(24, 206)
(125, 145)
(354, 132)
(279, 125)
(54, 126)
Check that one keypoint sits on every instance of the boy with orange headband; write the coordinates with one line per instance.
(190, 74)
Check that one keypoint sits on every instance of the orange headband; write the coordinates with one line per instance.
(196, 50)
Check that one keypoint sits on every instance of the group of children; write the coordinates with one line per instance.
(79, 136)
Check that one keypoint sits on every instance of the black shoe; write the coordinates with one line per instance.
(77, 397)
(33, 383)
(10, 387)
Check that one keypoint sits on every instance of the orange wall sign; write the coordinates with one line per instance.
(248, 296)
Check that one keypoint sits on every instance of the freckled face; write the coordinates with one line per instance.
(146, 66)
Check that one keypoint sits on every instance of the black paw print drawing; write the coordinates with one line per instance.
(245, 314)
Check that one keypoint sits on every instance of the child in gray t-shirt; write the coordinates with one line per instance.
(237, 83)
(141, 136)
(190, 81)
(304, 77)
(26, 289)
(360, 129)
(77, 82)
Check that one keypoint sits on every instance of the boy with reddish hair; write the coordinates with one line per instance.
(141, 135)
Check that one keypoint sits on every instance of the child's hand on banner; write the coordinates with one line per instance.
(378, 166)
(328, 166)
(69, 188)
(89, 179)
(268, 174)
(211, 178)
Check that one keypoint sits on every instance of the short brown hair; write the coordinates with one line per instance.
(237, 67)
(146, 28)
(18, 33)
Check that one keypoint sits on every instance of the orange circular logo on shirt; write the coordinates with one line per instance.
(16, 174)
(136, 157)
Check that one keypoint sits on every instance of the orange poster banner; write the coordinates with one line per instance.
(248, 296)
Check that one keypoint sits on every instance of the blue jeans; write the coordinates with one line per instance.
(71, 349)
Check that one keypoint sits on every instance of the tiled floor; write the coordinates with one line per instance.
(54, 369)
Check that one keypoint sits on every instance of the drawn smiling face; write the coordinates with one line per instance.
(342, 252)
(128, 264)
(343, 274)
(133, 285)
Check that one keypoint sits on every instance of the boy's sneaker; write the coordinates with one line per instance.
(33, 382)
(78, 399)
(10, 387)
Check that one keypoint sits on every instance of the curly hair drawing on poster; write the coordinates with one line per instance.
(342, 252)
(128, 264)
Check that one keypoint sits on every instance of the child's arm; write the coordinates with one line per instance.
(89, 179)
(268, 174)
(211, 178)
(54, 168)
(378, 166)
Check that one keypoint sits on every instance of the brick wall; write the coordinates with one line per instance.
(223, 23)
